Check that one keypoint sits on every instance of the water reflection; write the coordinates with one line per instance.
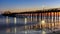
(8, 30)
(16, 30)
(43, 32)
(46, 23)
(42, 23)
(25, 23)
(7, 20)
(31, 17)
(25, 20)
(14, 20)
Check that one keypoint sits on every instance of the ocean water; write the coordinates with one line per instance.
(16, 25)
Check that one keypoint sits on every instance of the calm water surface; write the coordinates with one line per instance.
(18, 25)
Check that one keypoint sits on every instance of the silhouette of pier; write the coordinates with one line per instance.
(45, 18)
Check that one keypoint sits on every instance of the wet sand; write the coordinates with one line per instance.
(55, 32)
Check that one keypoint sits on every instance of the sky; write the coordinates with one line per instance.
(26, 5)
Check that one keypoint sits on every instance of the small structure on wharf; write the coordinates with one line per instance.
(8, 13)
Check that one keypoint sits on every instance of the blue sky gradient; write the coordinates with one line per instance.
(15, 4)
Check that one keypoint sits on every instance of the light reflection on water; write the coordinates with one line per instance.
(14, 20)
(43, 32)
(16, 30)
(23, 29)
